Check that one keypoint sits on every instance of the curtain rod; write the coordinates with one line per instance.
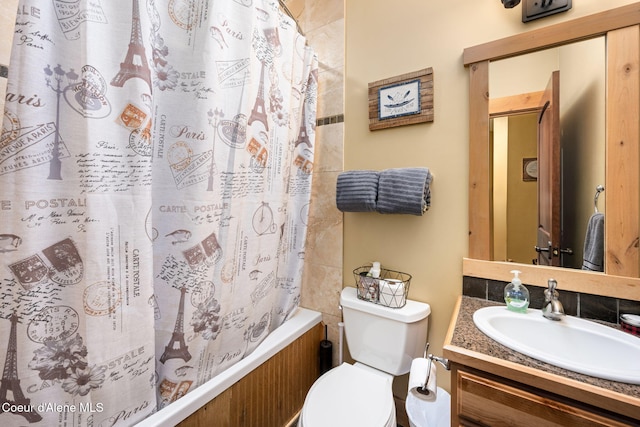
(288, 12)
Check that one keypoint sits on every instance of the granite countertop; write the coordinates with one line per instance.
(467, 336)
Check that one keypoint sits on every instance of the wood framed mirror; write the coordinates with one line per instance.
(621, 27)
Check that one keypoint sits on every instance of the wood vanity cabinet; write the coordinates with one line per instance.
(482, 399)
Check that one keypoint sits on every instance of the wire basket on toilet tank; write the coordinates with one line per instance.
(389, 289)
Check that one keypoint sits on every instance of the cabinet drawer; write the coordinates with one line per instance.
(482, 400)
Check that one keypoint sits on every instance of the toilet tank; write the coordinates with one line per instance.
(384, 338)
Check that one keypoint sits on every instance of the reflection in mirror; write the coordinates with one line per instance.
(582, 148)
(514, 196)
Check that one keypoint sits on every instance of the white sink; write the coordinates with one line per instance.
(575, 344)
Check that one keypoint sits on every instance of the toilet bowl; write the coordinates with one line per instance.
(429, 414)
(382, 341)
(350, 395)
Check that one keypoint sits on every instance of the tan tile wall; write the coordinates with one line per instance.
(323, 24)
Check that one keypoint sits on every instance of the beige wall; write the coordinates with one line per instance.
(385, 39)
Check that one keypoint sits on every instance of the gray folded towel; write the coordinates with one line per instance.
(404, 191)
(593, 257)
(357, 191)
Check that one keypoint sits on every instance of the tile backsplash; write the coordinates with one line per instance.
(578, 304)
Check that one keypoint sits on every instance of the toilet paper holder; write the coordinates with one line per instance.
(442, 360)
(431, 358)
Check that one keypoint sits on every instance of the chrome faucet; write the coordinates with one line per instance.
(552, 308)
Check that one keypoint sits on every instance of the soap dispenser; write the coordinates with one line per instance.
(375, 270)
(516, 295)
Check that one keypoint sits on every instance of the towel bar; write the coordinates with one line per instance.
(599, 189)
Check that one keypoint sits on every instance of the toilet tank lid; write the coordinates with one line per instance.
(413, 311)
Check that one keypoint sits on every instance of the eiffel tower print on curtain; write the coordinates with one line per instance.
(303, 137)
(135, 63)
(10, 382)
(177, 348)
(259, 112)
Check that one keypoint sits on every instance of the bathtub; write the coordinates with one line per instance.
(301, 324)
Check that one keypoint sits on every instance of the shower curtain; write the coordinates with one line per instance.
(155, 179)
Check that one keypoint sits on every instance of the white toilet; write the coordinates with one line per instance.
(383, 341)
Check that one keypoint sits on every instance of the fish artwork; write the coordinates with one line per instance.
(9, 242)
(399, 100)
(179, 236)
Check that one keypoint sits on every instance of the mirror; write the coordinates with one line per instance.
(513, 133)
(620, 28)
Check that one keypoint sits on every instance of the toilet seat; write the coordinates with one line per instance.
(348, 396)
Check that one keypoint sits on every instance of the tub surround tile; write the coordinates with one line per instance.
(331, 92)
(321, 13)
(296, 7)
(321, 290)
(325, 246)
(328, 41)
(323, 26)
(329, 154)
(330, 120)
(323, 201)
(323, 213)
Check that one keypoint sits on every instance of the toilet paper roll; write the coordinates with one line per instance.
(422, 370)
(392, 293)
